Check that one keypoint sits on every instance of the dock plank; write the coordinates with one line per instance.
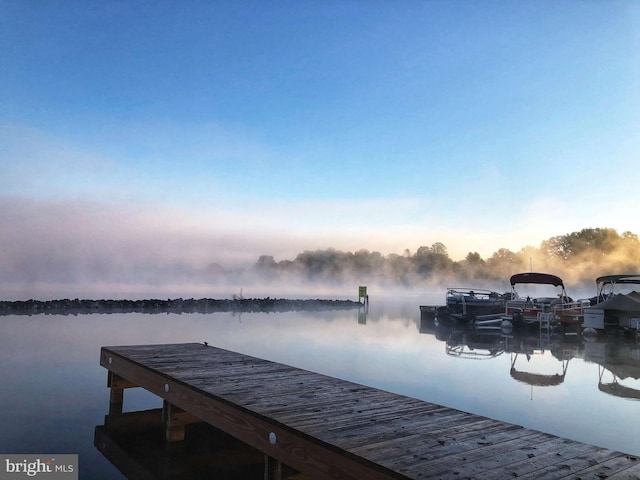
(329, 428)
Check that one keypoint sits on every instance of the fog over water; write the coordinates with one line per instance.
(65, 249)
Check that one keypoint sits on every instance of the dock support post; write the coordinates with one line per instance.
(272, 468)
(174, 425)
(116, 386)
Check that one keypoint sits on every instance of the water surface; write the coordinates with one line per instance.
(54, 392)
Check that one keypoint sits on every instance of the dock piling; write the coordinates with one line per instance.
(116, 386)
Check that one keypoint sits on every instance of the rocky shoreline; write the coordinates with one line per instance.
(178, 305)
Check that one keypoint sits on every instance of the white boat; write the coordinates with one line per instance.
(542, 310)
(617, 303)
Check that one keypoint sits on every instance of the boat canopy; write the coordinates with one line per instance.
(541, 278)
(632, 278)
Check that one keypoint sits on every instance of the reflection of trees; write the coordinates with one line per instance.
(584, 252)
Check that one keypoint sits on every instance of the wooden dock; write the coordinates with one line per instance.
(327, 428)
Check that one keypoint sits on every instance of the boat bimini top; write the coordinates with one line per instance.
(606, 284)
(540, 278)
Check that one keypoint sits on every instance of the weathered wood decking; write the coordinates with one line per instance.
(333, 429)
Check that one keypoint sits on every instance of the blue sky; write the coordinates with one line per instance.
(234, 129)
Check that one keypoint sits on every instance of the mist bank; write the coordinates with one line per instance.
(578, 257)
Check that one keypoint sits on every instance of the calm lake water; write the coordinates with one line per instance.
(53, 390)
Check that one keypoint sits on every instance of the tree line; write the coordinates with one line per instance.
(577, 257)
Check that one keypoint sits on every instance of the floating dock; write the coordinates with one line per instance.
(327, 428)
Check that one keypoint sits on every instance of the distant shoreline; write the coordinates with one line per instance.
(178, 305)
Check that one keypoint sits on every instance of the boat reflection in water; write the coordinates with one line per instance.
(618, 357)
(472, 344)
(618, 366)
(538, 379)
(484, 344)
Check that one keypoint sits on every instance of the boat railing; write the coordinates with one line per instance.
(528, 304)
(471, 293)
(576, 305)
(547, 304)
